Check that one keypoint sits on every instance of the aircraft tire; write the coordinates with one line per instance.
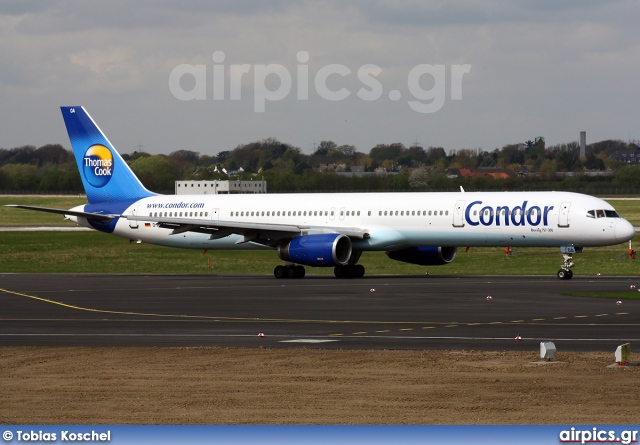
(279, 272)
(299, 271)
(565, 274)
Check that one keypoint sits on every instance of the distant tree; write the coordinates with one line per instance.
(206, 160)
(628, 176)
(325, 147)
(548, 169)
(383, 152)
(512, 154)
(593, 163)
(419, 178)
(22, 177)
(347, 150)
(434, 154)
(186, 156)
(53, 153)
(568, 160)
(222, 156)
(418, 155)
(19, 155)
(155, 172)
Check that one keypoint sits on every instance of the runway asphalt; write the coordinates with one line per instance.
(376, 312)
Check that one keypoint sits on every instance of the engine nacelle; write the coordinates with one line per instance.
(424, 255)
(327, 249)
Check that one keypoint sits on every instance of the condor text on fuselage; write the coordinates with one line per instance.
(502, 215)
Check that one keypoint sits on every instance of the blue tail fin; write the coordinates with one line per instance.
(105, 175)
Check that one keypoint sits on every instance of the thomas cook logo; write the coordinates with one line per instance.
(97, 165)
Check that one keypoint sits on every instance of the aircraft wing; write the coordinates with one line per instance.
(88, 215)
(261, 233)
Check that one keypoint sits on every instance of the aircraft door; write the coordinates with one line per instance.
(133, 223)
(458, 214)
(563, 217)
(215, 214)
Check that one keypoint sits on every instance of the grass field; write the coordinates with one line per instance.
(94, 252)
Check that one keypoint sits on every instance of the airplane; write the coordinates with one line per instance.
(330, 229)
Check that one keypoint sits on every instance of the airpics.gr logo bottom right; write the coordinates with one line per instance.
(97, 165)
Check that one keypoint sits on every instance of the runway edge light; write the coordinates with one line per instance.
(547, 350)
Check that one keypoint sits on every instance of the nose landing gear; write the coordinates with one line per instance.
(565, 272)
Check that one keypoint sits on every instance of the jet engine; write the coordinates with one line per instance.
(424, 255)
(327, 249)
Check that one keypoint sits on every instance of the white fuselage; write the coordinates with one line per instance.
(392, 220)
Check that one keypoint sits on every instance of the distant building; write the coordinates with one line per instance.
(219, 187)
(627, 156)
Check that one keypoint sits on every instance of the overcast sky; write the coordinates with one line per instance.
(525, 68)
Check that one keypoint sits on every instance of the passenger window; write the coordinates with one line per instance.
(447, 213)
(402, 213)
(396, 213)
(315, 213)
(385, 213)
(440, 212)
(332, 212)
(359, 212)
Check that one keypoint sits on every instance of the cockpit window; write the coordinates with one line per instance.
(611, 214)
(602, 214)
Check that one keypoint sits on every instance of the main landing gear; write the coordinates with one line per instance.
(349, 271)
(297, 271)
(565, 272)
(289, 271)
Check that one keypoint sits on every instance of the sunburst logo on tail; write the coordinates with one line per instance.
(97, 165)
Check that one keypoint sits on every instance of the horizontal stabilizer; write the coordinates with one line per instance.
(88, 215)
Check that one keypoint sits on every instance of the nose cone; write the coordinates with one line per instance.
(624, 231)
